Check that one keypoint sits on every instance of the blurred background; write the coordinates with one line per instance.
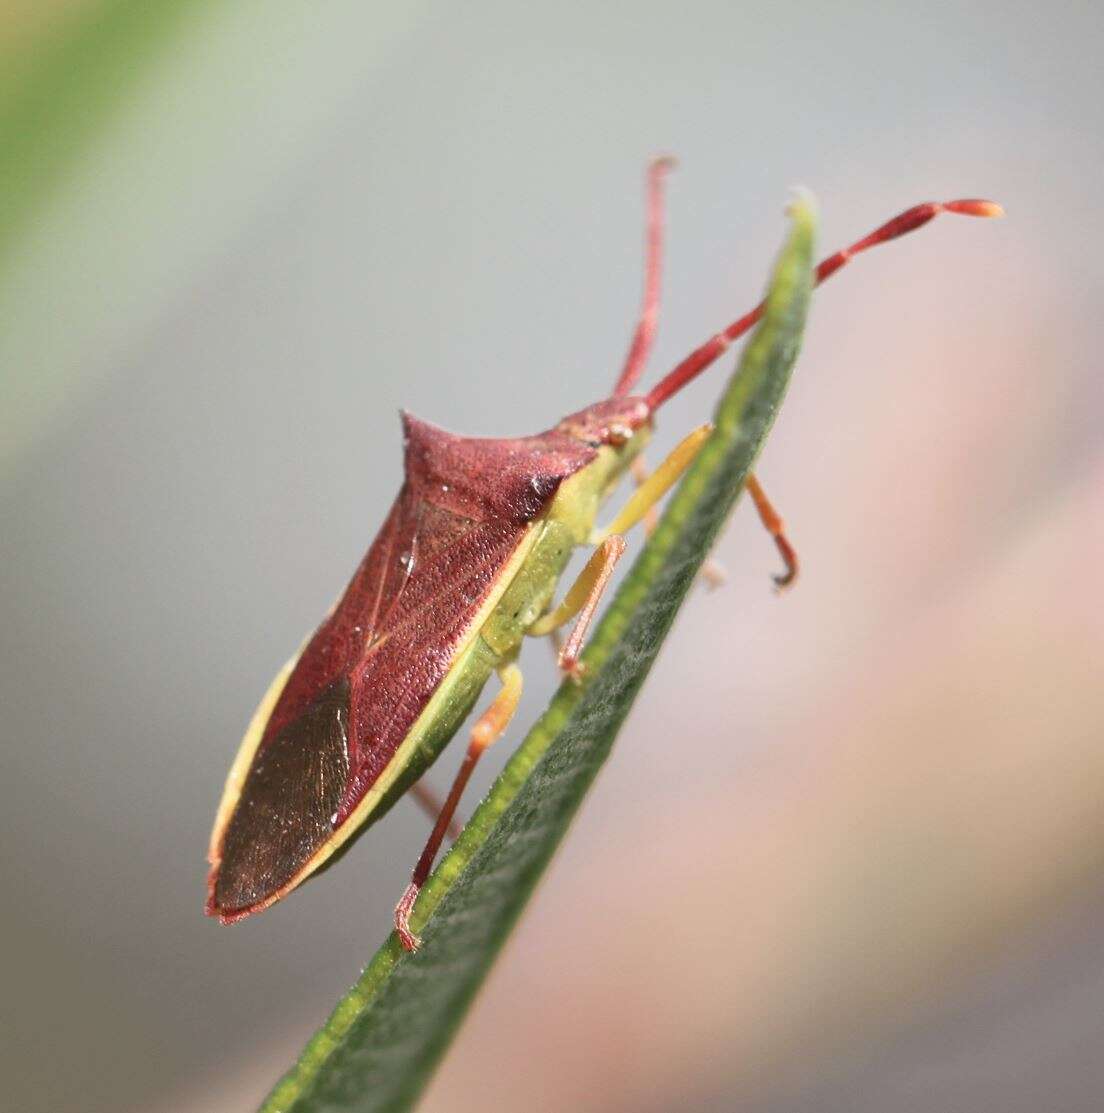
(848, 854)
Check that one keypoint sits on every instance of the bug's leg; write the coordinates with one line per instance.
(644, 334)
(580, 603)
(656, 485)
(584, 594)
(638, 469)
(773, 524)
(488, 728)
(432, 805)
(712, 571)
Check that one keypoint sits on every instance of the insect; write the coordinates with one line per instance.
(464, 568)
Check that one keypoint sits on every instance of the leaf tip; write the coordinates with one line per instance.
(802, 207)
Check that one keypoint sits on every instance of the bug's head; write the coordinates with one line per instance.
(615, 430)
(614, 422)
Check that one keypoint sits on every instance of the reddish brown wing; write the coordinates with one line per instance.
(373, 664)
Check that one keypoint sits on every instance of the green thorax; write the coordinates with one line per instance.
(566, 524)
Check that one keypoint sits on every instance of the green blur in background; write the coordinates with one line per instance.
(848, 852)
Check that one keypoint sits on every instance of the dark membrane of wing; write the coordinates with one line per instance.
(288, 803)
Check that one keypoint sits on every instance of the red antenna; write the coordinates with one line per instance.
(908, 221)
(641, 346)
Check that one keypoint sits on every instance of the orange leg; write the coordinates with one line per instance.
(774, 525)
(580, 603)
(488, 728)
(604, 561)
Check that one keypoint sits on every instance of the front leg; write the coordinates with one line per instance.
(585, 593)
(656, 485)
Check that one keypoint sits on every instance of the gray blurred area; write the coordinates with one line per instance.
(848, 854)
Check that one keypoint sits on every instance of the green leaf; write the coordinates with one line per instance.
(138, 139)
(379, 1046)
(57, 99)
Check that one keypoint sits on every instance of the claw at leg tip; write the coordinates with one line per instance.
(783, 581)
(410, 942)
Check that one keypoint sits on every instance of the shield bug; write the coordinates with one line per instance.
(465, 566)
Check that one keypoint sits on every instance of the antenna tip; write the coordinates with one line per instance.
(663, 164)
(975, 206)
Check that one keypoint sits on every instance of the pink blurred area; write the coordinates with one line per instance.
(903, 777)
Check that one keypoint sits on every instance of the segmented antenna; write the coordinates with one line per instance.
(644, 336)
(908, 221)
